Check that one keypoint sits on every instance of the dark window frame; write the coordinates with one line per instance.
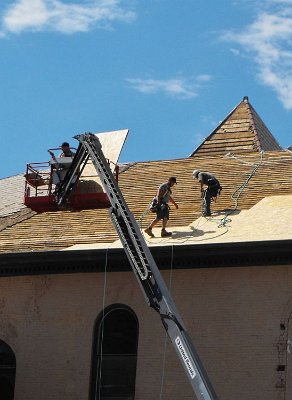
(7, 371)
(114, 354)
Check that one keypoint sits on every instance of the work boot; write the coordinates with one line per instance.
(164, 233)
(206, 214)
(149, 231)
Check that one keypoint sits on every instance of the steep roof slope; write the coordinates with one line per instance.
(12, 209)
(12, 191)
(252, 176)
(241, 131)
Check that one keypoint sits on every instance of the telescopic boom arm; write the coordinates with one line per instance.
(141, 261)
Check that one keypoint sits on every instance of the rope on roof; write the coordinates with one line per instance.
(237, 193)
(232, 155)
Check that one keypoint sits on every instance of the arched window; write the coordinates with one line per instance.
(114, 359)
(7, 372)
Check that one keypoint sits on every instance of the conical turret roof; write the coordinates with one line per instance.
(241, 131)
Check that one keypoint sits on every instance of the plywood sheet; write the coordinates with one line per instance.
(112, 144)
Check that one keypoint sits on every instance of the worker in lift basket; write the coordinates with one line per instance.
(161, 208)
(66, 151)
(61, 168)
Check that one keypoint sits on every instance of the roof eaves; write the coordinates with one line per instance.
(213, 255)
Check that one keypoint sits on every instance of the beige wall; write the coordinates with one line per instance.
(232, 314)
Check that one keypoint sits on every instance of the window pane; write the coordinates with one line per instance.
(119, 333)
(7, 372)
(115, 355)
(118, 379)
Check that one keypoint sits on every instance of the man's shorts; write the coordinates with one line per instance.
(163, 211)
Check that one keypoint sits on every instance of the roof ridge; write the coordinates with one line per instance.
(15, 218)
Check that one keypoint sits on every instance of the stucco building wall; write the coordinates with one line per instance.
(238, 318)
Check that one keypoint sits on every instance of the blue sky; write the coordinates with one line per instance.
(168, 70)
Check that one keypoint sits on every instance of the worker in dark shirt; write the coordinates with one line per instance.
(66, 151)
(210, 188)
(60, 168)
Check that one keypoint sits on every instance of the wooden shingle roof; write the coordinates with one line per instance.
(241, 131)
(59, 230)
(241, 152)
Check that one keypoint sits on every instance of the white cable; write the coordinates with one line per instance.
(98, 381)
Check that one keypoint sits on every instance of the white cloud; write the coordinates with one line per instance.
(268, 40)
(69, 17)
(176, 87)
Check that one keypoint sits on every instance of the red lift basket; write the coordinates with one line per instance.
(39, 191)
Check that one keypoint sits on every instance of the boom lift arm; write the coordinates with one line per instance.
(141, 261)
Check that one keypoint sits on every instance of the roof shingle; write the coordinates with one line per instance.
(241, 152)
(58, 230)
(241, 131)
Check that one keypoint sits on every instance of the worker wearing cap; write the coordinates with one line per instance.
(66, 152)
(210, 187)
(60, 169)
(164, 195)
